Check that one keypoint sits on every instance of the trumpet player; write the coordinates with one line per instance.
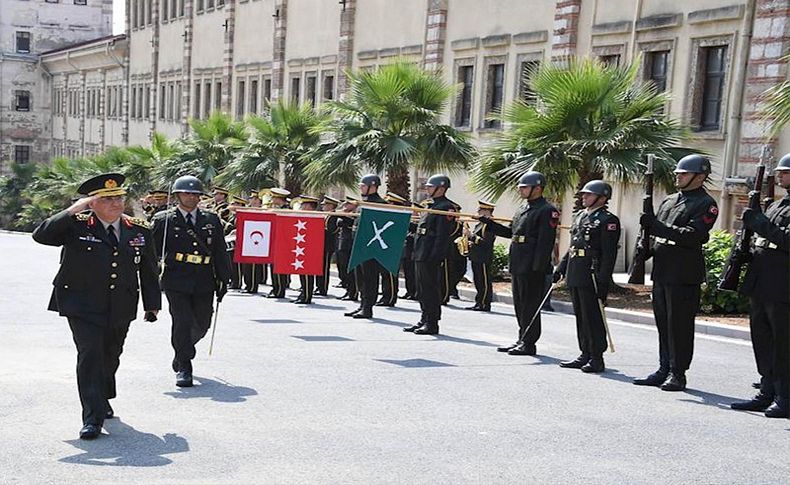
(478, 244)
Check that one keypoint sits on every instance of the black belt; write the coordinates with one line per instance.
(519, 239)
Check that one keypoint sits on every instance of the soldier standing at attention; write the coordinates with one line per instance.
(431, 245)
(345, 241)
(328, 204)
(156, 203)
(196, 266)
(588, 266)
(679, 230)
(767, 283)
(481, 254)
(307, 203)
(532, 235)
(389, 281)
(280, 282)
(105, 254)
(455, 265)
(407, 262)
(368, 272)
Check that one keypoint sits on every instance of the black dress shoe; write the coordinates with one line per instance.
(508, 348)
(413, 327)
(523, 349)
(473, 308)
(675, 382)
(300, 301)
(483, 309)
(352, 312)
(273, 295)
(109, 414)
(594, 366)
(349, 298)
(655, 379)
(779, 409)
(184, 379)
(576, 363)
(90, 432)
(427, 329)
(362, 314)
(760, 402)
(384, 303)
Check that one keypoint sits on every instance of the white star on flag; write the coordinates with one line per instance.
(298, 264)
(300, 226)
(299, 238)
(299, 251)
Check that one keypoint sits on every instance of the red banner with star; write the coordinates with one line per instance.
(299, 244)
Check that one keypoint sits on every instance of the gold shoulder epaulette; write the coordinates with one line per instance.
(137, 221)
(82, 216)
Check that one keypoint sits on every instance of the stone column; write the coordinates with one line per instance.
(345, 49)
(435, 34)
(278, 60)
(566, 28)
(82, 112)
(154, 108)
(227, 57)
(186, 69)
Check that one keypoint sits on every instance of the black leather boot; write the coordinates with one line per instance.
(576, 363)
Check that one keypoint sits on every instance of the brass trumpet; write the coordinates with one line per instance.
(462, 242)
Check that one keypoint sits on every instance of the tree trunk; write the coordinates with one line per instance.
(398, 182)
(293, 184)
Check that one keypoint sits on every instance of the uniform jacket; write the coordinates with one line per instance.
(345, 234)
(683, 222)
(375, 198)
(481, 244)
(593, 250)
(330, 234)
(458, 231)
(432, 239)
(97, 281)
(532, 234)
(188, 277)
(768, 276)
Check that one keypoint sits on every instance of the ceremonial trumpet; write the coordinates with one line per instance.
(462, 242)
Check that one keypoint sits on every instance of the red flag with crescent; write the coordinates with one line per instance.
(299, 244)
(254, 237)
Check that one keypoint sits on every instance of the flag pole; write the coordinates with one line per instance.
(433, 211)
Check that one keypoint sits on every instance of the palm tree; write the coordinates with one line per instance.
(777, 109)
(278, 142)
(212, 145)
(144, 164)
(588, 121)
(11, 194)
(389, 123)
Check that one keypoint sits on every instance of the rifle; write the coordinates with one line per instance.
(770, 187)
(731, 275)
(636, 274)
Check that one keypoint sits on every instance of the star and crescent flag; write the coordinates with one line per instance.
(299, 244)
(380, 235)
(254, 237)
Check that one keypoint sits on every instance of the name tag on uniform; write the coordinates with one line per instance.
(90, 239)
(137, 241)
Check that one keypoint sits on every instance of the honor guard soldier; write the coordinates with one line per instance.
(196, 265)
(767, 283)
(587, 267)
(367, 273)
(678, 231)
(481, 255)
(455, 265)
(407, 262)
(280, 282)
(156, 202)
(345, 241)
(307, 282)
(389, 281)
(253, 274)
(431, 246)
(328, 204)
(105, 254)
(532, 235)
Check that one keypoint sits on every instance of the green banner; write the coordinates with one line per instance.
(380, 235)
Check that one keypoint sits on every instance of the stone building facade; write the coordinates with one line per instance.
(182, 59)
(27, 29)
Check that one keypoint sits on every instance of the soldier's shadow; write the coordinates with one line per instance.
(125, 446)
(719, 401)
(214, 390)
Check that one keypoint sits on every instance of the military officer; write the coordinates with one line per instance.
(431, 246)
(481, 255)
(767, 283)
(389, 281)
(345, 241)
(155, 202)
(367, 273)
(588, 266)
(105, 253)
(532, 235)
(407, 262)
(280, 282)
(196, 265)
(307, 282)
(678, 230)
(328, 204)
(454, 267)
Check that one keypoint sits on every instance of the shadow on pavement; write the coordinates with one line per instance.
(215, 390)
(125, 446)
(711, 399)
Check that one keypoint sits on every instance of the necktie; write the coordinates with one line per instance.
(111, 234)
(189, 220)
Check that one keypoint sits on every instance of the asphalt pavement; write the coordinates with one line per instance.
(304, 395)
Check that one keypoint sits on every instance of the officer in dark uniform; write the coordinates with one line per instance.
(155, 202)
(328, 204)
(678, 231)
(588, 266)
(253, 275)
(105, 253)
(196, 265)
(481, 255)
(368, 272)
(280, 282)
(532, 235)
(389, 281)
(767, 283)
(345, 241)
(307, 282)
(454, 266)
(407, 262)
(229, 218)
(431, 245)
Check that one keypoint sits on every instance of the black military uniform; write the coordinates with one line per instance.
(345, 241)
(454, 265)
(280, 282)
(678, 230)
(481, 255)
(157, 204)
(588, 266)
(767, 283)
(389, 281)
(330, 240)
(367, 273)
(532, 235)
(196, 265)
(407, 264)
(97, 290)
(431, 246)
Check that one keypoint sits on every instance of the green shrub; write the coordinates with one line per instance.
(713, 300)
(500, 261)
